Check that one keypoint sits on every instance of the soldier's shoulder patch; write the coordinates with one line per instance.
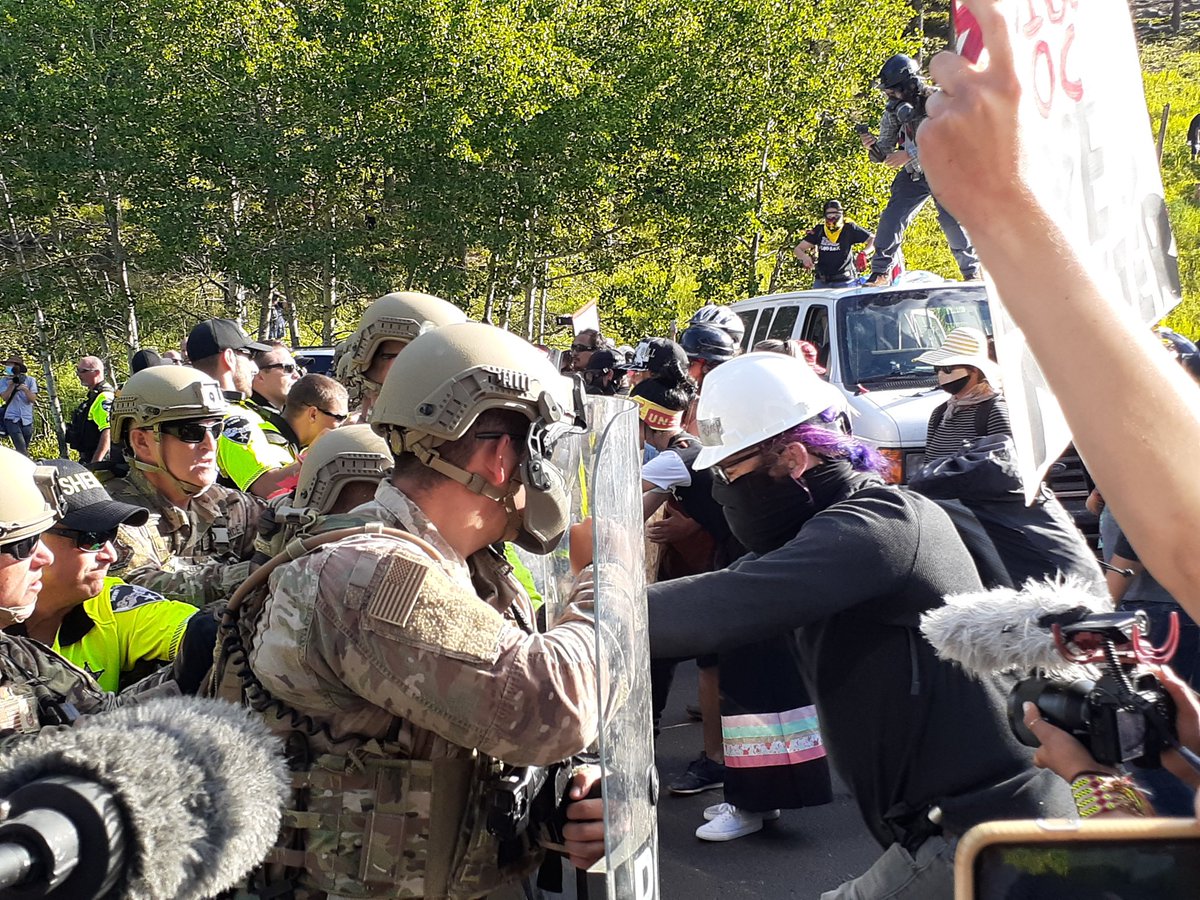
(124, 597)
(237, 429)
(411, 597)
(396, 586)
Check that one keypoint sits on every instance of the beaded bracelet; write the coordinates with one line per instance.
(1096, 793)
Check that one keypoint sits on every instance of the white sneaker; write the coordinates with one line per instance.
(730, 825)
(718, 809)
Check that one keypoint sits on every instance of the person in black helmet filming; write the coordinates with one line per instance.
(901, 81)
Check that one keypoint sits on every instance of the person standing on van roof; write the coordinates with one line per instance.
(834, 263)
(975, 408)
(906, 90)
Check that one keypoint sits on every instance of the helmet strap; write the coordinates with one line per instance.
(161, 468)
(502, 494)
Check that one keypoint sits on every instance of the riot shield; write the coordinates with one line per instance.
(626, 744)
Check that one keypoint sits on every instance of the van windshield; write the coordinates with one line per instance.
(882, 333)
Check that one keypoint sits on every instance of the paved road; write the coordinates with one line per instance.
(805, 852)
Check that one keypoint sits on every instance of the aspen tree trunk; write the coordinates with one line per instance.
(489, 300)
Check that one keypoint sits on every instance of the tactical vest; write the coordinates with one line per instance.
(82, 434)
(365, 822)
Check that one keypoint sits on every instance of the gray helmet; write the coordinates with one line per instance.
(720, 317)
(31, 499)
(442, 383)
(340, 457)
(393, 317)
(164, 394)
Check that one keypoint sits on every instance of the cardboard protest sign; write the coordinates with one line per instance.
(1092, 161)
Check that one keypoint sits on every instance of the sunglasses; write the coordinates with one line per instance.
(89, 541)
(721, 470)
(581, 348)
(946, 370)
(288, 368)
(85, 371)
(335, 416)
(192, 432)
(22, 549)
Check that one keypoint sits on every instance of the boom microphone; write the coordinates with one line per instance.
(176, 799)
(992, 631)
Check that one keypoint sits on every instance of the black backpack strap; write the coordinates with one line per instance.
(935, 418)
(983, 412)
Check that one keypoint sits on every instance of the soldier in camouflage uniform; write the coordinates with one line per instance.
(200, 536)
(38, 687)
(404, 668)
(363, 359)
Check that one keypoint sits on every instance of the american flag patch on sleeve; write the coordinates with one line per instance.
(397, 591)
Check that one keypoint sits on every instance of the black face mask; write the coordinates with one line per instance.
(764, 513)
(953, 387)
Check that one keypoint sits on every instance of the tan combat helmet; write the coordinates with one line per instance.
(447, 377)
(164, 394)
(400, 316)
(30, 500)
(340, 457)
(161, 394)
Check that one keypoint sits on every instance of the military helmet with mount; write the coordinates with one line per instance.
(447, 378)
(162, 394)
(340, 457)
(399, 316)
(31, 500)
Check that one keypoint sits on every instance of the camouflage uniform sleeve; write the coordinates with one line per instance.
(56, 683)
(198, 583)
(398, 631)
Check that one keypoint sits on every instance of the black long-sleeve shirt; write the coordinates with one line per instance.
(904, 729)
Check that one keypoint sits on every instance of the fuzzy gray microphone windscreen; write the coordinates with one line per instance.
(993, 631)
(200, 783)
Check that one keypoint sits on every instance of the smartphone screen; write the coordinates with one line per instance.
(1089, 870)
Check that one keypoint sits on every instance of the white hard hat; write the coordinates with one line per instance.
(755, 397)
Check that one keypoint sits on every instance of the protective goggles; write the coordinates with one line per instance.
(88, 541)
(192, 432)
(22, 549)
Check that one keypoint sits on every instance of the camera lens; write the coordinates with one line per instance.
(1061, 703)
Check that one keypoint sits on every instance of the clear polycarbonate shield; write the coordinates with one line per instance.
(613, 470)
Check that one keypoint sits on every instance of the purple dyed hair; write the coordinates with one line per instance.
(825, 435)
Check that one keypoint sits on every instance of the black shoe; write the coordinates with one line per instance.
(693, 712)
(702, 775)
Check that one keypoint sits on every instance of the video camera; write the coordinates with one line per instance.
(1121, 716)
(1078, 662)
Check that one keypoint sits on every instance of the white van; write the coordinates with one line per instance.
(868, 339)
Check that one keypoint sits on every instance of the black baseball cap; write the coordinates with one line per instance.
(659, 356)
(145, 359)
(606, 359)
(833, 204)
(214, 335)
(86, 504)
